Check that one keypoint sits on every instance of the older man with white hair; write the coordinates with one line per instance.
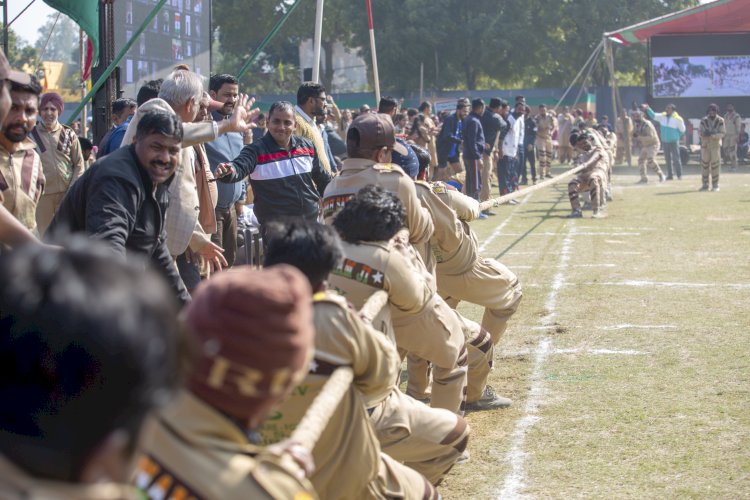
(187, 240)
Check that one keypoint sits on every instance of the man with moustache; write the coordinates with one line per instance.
(61, 156)
(21, 174)
(122, 199)
(311, 103)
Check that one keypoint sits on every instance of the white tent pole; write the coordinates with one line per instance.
(316, 41)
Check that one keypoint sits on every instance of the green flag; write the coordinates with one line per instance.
(85, 13)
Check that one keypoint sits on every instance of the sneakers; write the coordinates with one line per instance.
(463, 458)
(575, 214)
(598, 214)
(548, 176)
(488, 401)
(661, 177)
(704, 187)
(482, 215)
(489, 212)
(715, 189)
(642, 181)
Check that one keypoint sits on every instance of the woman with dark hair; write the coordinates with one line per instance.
(419, 133)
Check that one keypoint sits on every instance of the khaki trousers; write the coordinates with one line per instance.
(436, 334)
(429, 440)
(729, 145)
(711, 163)
(45, 210)
(544, 156)
(647, 158)
(484, 193)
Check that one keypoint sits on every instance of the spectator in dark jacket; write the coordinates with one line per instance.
(449, 142)
(474, 148)
(529, 144)
(122, 198)
(285, 174)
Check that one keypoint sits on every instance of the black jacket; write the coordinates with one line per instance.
(115, 201)
(286, 183)
(473, 137)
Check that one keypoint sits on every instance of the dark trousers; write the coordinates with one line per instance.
(672, 158)
(473, 177)
(226, 233)
(531, 161)
(507, 175)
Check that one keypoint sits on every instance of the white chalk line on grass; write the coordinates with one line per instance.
(548, 233)
(574, 265)
(516, 479)
(671, 284)
(624, 326)
(499, 228)
(578, 350)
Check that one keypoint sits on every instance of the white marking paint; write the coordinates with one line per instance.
(627, 326)
(617, 252)
(499, 228)
(593, 352)
(515, 480)
(670, 284)
(548, 233)
(594, 265)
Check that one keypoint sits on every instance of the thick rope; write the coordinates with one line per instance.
(316, 417)
(485, 205)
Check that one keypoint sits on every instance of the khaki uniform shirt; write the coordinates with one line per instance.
(717, 129)
(446, 253)
(61, 157)
(645, 132)
(732, 124)
(357, 173)
(545, 127)
(599, 166)
(16, 484)
(369, 266)
(624, 127)
(22, 182)
(192, 451)
(565, 125)
(347, 455)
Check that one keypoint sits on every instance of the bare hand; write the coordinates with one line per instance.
(301, 456)
(223, 169)
(213, 255)
(243, 117)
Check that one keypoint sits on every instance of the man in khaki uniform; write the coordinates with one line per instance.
(546, 127)
(254, 336)
(565, 124)
(645, 133)
(624, 131)
(378, 257)
(712, 130)
(609, 139)
(21, 173)
(62, 160)
(592, 178)
(369, 143)
(462, 274)
(348, 456)
(732, 124)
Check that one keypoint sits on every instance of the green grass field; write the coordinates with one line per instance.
(629, 358)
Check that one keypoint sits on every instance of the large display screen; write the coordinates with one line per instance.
(701, 76)
(180, 33)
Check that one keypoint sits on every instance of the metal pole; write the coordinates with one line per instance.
(103, 78)
(374, 54)
(82, 58)
(5, 26)
(421, 82)
(267, 39)
(316, 40)
(612, 79)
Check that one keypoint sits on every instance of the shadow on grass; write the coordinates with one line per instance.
(670, 193)
(547, 215)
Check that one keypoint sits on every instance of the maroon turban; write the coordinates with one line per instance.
(53, 98)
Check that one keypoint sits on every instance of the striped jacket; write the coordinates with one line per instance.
(286, 183)
(22, 182)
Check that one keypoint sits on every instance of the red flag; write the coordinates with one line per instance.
(88, 60)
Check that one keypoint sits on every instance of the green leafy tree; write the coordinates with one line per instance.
(20, 54)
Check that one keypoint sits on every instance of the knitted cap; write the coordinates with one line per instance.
(254, 331)
(53, 98)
